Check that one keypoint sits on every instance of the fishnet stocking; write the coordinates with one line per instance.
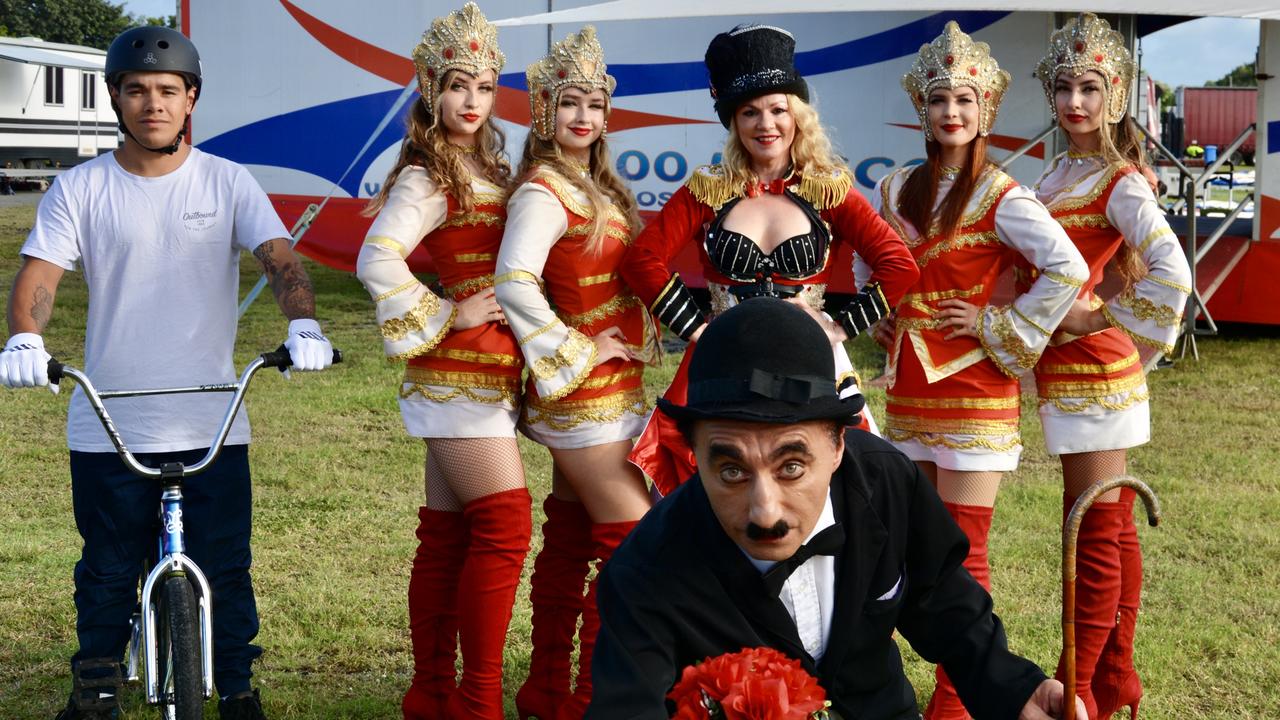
(968, 488)
(1080, 470)
(460, 470)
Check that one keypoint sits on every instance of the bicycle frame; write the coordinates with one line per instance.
(172, 558)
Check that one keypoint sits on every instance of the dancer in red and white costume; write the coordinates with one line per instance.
(953, 399)
(461, 390)
(767, 221)
(568, 225)
(1093, 393)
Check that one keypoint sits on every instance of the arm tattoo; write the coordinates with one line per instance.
(41, 306)
(288, 280)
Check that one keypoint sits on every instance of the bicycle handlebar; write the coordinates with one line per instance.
(279, 358)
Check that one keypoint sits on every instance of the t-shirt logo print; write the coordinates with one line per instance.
(150, 59)
(198, 220)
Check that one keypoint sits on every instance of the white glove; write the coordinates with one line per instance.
(24, 362)
(308, 347)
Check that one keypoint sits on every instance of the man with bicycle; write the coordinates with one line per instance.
(157, 228)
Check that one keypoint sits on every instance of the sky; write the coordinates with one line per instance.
(1190, 53)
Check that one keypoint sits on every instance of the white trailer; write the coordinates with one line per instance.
(54, 108)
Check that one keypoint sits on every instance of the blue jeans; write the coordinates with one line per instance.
(116, 514)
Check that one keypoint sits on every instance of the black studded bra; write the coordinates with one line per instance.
(740, 259)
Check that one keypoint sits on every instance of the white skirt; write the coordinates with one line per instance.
(1080, 425)
(962, 453)
(459, 417)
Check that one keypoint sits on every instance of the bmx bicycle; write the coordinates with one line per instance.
(172, 626)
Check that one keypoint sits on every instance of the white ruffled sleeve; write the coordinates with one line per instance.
(411, 318)
(558, 356)
(1150, 311)
(1015, 335)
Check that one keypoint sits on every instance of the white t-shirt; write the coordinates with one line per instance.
(161, 258)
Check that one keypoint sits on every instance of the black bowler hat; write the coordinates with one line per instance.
(764, 360)
(750, 61)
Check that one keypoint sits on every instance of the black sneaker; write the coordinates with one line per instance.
(244, 706)
(95, 690)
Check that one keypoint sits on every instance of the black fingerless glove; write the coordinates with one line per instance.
(866, 308)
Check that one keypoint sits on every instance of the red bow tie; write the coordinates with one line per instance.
(775, 187)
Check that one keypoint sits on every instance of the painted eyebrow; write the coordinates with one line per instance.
(798, 447)
(732, 452)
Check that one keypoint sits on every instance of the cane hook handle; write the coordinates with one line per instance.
(1070, 533)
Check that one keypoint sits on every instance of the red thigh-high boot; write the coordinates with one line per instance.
(975, 523)
(1097, 590)
(433, 611)
(559, 579)
(500, 528)
(606, 537)
(1115, 682)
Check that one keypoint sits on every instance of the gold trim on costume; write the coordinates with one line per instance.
(1085, 403)
(932, 372)
(857, 379)
(1144, 309)
(613, 306)
(554, 323)
(473, 218)
(1090, 369)
(516, 275)
(426, 347)
(562, 416)
(980, 403)
(391, 244)
(566, 355)
(1092, 388)
(710, 186)
(396, 328)
(478, 357)
(990, 352)
(952, 426)
(1168, 283)
(675, 278)
(825, 190)
(396, 290)
(1155, 235)
(475, 257)
(1086, 220)
(958, 242)
(1029, 321)
(1012, 342)
(1066, 204)
(1063, 279)
(936, 439)
(605, 381)
(1161, 346)
(564, 192)
(455, 378)
(999, 183)
(918, 300)
(890, 213)
(596, 279)
(479, 282)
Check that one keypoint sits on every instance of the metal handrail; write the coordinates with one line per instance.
(1221, 230)
(1027, 147)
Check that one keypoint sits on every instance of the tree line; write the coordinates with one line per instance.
(92, 23)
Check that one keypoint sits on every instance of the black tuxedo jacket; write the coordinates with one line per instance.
(679, 590)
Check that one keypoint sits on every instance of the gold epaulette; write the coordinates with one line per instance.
(709, 185)
(825, 190)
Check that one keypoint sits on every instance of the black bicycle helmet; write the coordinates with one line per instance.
(153, 49)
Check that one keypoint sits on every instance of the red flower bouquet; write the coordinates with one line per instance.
(753, 684)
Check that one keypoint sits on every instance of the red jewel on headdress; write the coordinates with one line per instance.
(1115, 81)
(950, 59)
(973, 71)
(475, 46)
(561, 74)
(546, 94)
(1097, 58)
(431, 73)
(448, 53)
(986, 95)
(929, 74)
(1079, 47)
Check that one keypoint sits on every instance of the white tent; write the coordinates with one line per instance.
(37, 52)
(669, 9)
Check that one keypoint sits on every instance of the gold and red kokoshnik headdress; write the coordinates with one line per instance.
(1087, 43)
(462, 40)
(954, 60)
(576, 61)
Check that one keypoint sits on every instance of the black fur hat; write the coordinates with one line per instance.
(763, 360)
(750, 61)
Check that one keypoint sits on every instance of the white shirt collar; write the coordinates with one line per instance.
(825, 520)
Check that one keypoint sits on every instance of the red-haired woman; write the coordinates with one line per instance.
(768, 220)
(953, 399)
(461, 390)
(568, 224)
(1093, 393)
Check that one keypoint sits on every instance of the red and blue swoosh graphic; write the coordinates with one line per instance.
(342, 127)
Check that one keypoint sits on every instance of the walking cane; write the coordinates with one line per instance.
(1070, 533)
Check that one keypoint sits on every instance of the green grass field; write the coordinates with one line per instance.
(337, 485)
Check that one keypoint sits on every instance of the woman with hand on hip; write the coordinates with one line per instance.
(569, 222)
(952, 404)
(461, 390)
(767, 220)
(1093, 392)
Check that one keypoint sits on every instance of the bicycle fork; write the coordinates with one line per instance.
(173, 561)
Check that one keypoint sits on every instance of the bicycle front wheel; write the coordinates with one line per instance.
(181, 694)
